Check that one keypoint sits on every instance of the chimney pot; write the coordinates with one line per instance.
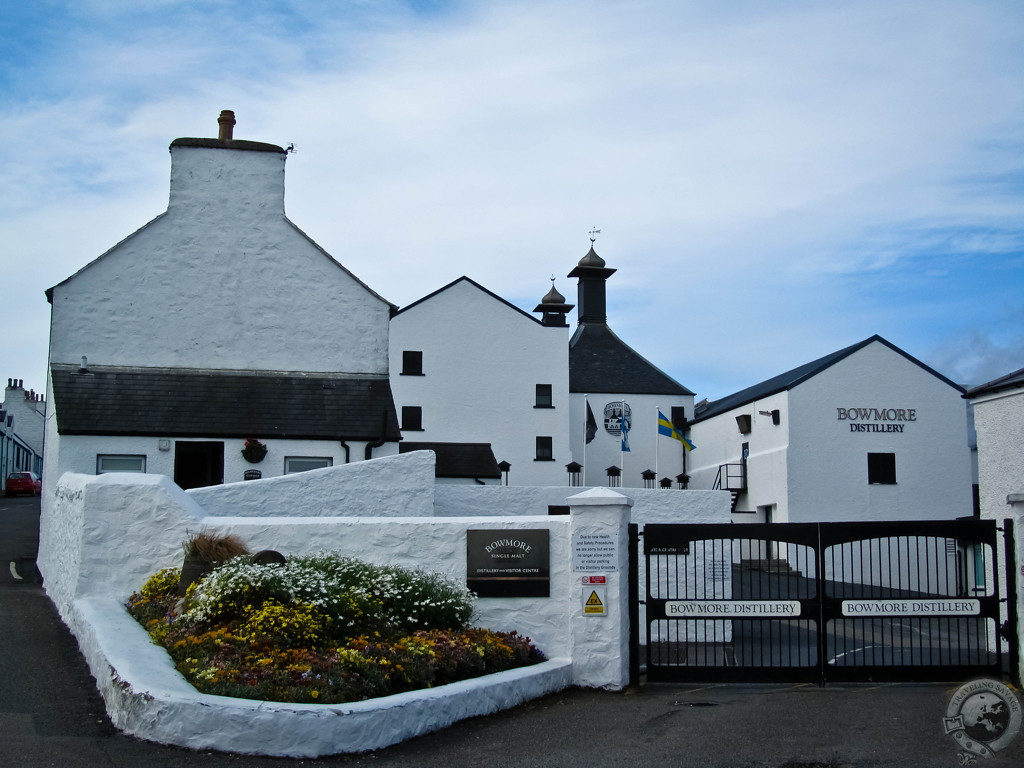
(85, 365)
(226, 121)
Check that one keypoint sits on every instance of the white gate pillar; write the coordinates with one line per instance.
(599, 546)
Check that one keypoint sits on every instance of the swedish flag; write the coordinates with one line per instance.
(665, 427)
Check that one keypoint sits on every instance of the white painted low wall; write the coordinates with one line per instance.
(650, 505)
(391, 486)
(106, 534)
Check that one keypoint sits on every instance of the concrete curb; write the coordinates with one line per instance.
(146, 697)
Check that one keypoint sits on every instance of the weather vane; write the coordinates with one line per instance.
(594, 232)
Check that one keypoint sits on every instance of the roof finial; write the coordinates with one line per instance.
(594, 232)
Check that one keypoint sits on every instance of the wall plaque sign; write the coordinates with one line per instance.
(508, 562)
(594, 552)
(614, 413)
(252, 474)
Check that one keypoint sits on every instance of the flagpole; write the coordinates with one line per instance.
(622, 451)
(657, 442)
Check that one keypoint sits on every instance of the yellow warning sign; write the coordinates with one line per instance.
(594, 604)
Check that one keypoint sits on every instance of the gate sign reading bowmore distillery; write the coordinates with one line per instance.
(509, 562)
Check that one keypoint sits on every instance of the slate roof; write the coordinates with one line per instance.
(1009, 381)
(599, 361)
(191, 403)
(790, 379)
(458, 459)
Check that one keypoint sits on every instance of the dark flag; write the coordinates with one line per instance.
(591, 424)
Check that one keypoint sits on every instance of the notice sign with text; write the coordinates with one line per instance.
(688, 609)
(594, 552)
(508, 562)
(949, 607)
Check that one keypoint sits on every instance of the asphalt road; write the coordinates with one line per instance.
(50, 714)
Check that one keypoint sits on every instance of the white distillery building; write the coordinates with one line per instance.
(484, 385)
(217, 322)
(22, 415)
(606, 373)
(865, 433)
(999, 424)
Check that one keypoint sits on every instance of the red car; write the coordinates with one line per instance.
(24, 482)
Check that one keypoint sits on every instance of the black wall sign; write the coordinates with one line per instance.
(252, 474)
(508, 562)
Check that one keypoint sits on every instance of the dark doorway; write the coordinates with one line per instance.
(198, 464)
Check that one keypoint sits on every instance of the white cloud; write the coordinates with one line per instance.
(747, 166)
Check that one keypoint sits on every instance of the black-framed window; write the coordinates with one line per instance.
(882, 469)
(119, 462)
(543, 398)
(412, 362)
(545, 451)
(412, 418)
(293, 464)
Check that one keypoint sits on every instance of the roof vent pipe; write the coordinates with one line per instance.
(85, 365)
(226, 121)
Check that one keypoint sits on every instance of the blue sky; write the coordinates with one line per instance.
(773, 181)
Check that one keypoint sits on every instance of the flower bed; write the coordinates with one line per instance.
(321, 629)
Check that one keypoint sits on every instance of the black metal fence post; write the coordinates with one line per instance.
(1012, 636)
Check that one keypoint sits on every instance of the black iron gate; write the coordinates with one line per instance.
(821, 602)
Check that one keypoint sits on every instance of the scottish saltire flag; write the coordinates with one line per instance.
(625, 426)
(667, 428)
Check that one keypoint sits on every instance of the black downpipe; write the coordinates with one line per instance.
(379, 441)
(345, 446)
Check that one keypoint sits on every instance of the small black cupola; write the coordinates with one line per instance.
(553, 308)
(592, 274)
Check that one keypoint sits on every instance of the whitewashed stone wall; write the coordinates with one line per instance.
(222, 280)
(644, 442)
(649, 506)
(392, 486)
(104, 535)
(482, 360)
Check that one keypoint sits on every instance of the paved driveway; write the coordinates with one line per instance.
(50, 714)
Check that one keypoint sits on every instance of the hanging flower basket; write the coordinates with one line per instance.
(254, 451)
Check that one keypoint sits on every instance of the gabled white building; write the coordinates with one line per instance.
(469, 369)
(217, 322)
(865, 433)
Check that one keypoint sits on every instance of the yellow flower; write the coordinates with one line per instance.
(314, 694)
